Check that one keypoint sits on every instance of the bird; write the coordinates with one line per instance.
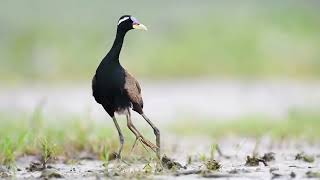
(118, 91)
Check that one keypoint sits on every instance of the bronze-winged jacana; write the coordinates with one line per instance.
(117, 91)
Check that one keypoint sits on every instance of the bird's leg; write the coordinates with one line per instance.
(139, 135)
(132, 129)
(120, 137)
(156, 132)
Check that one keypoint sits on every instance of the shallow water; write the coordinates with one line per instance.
(169, 100)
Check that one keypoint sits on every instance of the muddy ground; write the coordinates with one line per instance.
(196, 158)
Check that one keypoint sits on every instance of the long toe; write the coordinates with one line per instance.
(135, 143)
(149, 144)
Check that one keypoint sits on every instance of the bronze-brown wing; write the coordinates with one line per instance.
(134, 92)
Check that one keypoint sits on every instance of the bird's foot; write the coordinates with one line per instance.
(119, 159)
(117, 156)
(149, 144)
(114, 156)
(135, 142)
(146, 142)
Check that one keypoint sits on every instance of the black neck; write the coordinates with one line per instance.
(114, 52)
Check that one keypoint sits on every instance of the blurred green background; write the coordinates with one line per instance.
(202, 53)
(65, 40)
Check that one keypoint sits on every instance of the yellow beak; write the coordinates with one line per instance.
(140, 26)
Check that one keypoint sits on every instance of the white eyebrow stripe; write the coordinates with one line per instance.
(123, 19)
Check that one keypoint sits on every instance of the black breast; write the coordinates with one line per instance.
(108, 86)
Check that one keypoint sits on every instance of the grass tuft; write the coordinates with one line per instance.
(47, 151)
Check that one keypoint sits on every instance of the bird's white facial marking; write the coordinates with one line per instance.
(123, 19)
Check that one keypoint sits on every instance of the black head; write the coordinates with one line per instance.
(128, 22)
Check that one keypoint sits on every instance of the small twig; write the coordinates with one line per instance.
(263, 161)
